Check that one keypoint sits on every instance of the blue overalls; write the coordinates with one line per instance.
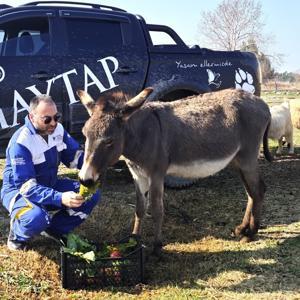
(31, 191)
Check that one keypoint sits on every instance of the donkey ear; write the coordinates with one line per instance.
(86, 100)
(139, 99)
(135, 103)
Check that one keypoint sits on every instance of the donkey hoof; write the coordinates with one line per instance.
(136, 237)
(238, 231)
(157, 249)
(235, 233)
(246, 239)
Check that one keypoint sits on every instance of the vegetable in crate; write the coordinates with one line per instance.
(80, 247)
(116, 250)
(87, 192)
(112, 259)
(115, 253)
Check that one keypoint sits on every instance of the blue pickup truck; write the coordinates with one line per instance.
(56, 47)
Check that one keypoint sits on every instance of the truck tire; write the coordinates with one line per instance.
(178, 182)
(175, 88)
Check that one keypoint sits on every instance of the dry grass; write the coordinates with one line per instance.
(200, 261)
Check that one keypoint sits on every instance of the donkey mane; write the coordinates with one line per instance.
(118, 98)
(111, 103)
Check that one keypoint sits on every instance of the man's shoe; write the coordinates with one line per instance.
(15, 245)
(54, 236)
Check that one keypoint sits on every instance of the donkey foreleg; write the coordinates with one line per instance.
(280, 146)
(141, 190)
(157, 210)
(289, 140)
(141, 182)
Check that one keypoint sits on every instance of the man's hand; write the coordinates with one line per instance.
(71, 199)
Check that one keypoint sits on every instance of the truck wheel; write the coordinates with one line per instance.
(178, 182)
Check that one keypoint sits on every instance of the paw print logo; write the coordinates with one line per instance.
(244, 81)
(2, 74)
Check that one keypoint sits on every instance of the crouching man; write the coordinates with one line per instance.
(31, 189)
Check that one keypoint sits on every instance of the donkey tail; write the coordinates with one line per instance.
(267, 152)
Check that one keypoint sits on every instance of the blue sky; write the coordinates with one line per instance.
(281, 18)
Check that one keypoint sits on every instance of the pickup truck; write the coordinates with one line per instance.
(57, 47)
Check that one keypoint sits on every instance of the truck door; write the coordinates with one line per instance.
(103, 51)
(26, 66)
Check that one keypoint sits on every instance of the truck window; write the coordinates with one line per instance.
(2, 35)
(161, 38)
(89, 36)
(25, 37)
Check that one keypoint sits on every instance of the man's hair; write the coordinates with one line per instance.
(34, 102)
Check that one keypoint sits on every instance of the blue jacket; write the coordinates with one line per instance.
(32, 164)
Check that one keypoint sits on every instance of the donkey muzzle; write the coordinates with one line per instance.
(88, 183)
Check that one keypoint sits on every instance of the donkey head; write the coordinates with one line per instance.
(104, 131)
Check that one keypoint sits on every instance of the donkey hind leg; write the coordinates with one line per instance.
(157, 210)
(141, 189)
(255, 189)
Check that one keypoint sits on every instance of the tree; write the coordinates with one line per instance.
(286, 76)
(231, 24)
(267, 70)
(266, 67)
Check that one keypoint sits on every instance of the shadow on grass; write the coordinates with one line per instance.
(274, 269)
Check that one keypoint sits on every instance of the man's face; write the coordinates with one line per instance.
(44, 118)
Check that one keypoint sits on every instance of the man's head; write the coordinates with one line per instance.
(43, 114)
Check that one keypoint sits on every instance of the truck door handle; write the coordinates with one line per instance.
(126, 70)
(41, 75)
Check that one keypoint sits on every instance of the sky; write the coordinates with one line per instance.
(281, 20)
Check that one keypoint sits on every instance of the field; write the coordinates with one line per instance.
(201, 260)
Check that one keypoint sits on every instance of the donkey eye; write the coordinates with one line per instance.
(108, 142)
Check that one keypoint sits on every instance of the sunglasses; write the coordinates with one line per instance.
(48, 119)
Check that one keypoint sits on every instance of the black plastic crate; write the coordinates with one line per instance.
(128, 270)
